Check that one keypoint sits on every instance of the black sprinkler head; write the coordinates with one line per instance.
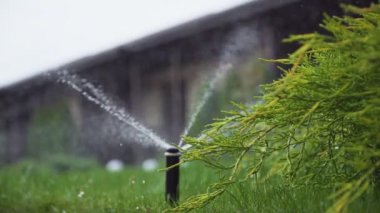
(172, 175)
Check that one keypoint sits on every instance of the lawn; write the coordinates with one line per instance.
(29, 187)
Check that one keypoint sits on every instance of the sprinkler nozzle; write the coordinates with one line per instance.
(172, 175)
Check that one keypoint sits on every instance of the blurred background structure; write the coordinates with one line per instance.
(157, 78)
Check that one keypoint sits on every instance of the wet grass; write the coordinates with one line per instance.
(31, 188)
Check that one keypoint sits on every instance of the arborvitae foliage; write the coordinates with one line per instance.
(318, 125)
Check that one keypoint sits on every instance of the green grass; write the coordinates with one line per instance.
(28, 187)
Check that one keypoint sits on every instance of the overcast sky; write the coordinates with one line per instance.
(36, 35)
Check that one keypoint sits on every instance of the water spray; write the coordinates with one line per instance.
(97, 96)
(172, 175)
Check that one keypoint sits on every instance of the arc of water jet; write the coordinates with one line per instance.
(220, 74)
(239, 42)
(98, 97)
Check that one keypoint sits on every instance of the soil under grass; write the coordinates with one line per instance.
(28, 187)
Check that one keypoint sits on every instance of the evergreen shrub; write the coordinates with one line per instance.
(318, 125)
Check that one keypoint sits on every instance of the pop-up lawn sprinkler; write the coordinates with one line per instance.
(172, 175)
